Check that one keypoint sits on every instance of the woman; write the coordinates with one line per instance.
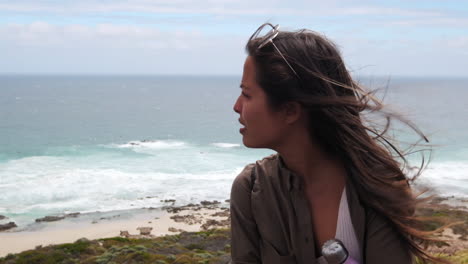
(334, 175)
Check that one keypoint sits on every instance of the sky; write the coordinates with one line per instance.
(207, 37)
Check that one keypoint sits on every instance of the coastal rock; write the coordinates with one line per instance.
(176, 209)
(109, 217)
(2, 217)
(221, 214)
(173, 209)
(7, 226)
(72, 214)
(205, 203)
(50, 218)
(124, 233)
(82, 240)
(188, 219)
(144, 230)
(168, 201)
(173, 229)
(211, 223)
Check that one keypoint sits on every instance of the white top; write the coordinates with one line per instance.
(345, 231)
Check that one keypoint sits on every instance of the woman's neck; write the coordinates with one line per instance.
(317, 168)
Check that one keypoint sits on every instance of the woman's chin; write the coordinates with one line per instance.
(250, 143)
(247, 142)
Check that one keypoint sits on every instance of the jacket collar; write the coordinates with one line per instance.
(292, 180)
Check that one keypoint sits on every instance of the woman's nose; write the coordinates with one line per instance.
(237, 105)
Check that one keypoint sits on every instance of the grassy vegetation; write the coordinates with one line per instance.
(201, 247)
(461, 257)
(442, 216)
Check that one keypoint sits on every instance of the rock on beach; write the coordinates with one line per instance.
(50, 218)
(10, 225)
(144, 230)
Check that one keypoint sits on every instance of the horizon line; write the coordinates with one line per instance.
(71, 74)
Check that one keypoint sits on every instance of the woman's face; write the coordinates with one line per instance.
(263, 127)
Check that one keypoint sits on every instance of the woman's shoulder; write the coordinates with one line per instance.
(262, 167)
(244, 177)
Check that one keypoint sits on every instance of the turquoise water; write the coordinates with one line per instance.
(102, 143)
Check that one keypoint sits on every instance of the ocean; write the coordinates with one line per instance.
(103, 143)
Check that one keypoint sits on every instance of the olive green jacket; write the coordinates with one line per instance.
(271, 221)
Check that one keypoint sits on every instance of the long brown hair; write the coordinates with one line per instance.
(338, 108)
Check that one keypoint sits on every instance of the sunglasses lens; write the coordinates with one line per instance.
(266, 33)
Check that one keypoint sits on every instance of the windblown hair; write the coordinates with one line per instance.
(338, 109)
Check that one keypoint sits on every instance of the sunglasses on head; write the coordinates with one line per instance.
(266, 37)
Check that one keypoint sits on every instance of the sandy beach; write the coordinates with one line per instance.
(163, 221)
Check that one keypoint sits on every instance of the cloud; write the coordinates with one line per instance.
(110, 48)
(219, 7)
(41, 33)
(159, 7)
(438, 21)
(455, 44)
(206, 14)
(377, 11)
(208, 36)
(442, 56)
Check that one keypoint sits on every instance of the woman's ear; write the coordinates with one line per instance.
(292, 112)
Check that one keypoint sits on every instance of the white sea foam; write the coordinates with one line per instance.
(225, 145)
(33, 187)
(448, 170)
(447, 178)
(157, 144)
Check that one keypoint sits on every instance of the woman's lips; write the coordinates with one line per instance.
(242, 128)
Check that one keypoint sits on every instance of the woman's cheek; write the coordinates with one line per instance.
(247, 111)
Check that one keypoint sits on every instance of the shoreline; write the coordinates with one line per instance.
(167, 220)
(170, 220)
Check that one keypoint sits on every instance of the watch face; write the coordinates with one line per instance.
(334, 251)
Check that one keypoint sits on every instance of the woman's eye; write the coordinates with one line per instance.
(244, 94)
